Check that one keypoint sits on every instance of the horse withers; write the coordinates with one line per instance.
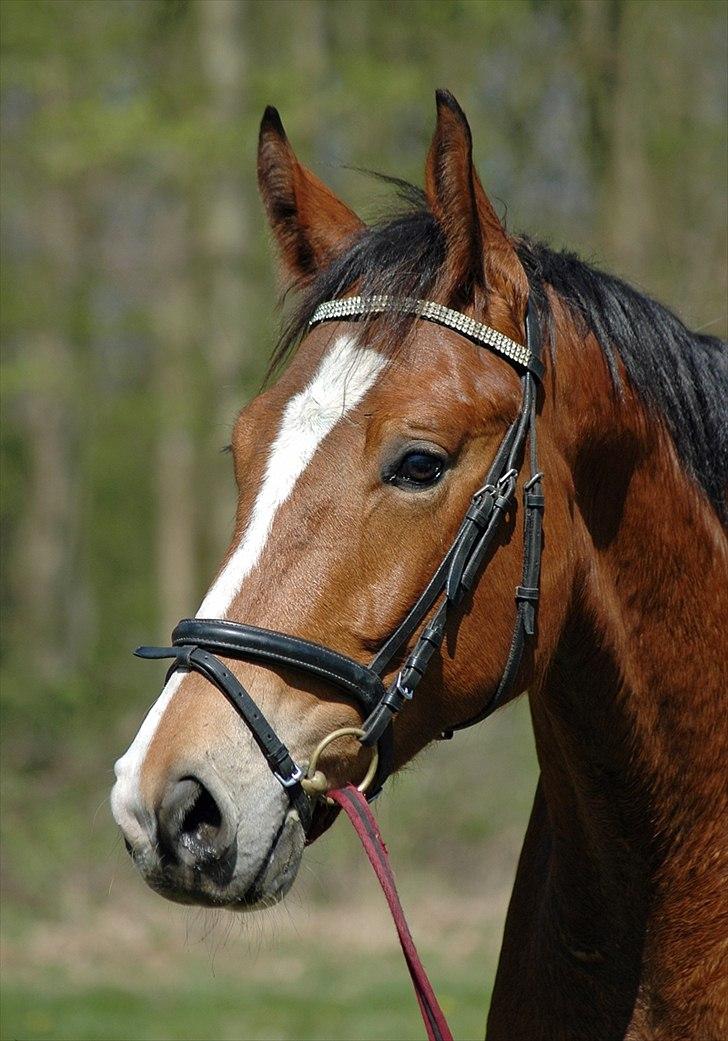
(374, 467)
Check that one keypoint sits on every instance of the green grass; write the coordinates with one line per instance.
(90, 953)
(354, 1001)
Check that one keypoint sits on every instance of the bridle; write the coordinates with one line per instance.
(196, 642)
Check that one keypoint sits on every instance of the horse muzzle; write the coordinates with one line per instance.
(201, 845)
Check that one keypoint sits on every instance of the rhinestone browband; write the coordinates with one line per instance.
(358, 306)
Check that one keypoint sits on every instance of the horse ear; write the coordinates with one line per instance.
(310, 224)
(480, 254)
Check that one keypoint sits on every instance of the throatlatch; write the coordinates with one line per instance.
(197, 641)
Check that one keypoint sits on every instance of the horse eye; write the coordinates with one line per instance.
(418, 469)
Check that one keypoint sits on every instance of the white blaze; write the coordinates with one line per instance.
(342, 379)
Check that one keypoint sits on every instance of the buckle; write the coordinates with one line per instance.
(289, 782)
(489, 488)
(406, 693)
(506, 487)
(527, 593)
(508, 477)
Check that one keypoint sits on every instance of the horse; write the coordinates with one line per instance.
(358, 468)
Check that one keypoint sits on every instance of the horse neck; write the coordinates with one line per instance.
(643, 646)
(627, 837)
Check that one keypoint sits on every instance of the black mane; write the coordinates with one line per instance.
(680, 374)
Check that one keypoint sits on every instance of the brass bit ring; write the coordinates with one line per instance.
(315, 782)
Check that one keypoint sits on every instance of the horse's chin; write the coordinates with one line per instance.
(231, 886)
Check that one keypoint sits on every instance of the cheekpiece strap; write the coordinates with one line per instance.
(351, 307)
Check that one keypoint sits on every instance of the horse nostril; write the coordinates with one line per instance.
(201, 822)
(191, 825)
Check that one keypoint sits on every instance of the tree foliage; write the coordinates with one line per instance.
(139, 291)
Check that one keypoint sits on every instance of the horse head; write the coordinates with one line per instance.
(356, 471)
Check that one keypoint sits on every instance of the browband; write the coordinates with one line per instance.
(360, 306)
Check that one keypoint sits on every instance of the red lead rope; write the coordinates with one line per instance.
(355, 806)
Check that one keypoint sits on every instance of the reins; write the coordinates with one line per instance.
(356, 808)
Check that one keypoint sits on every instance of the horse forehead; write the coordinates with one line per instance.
(443, 367)
(442, 397)
(328, 373)
(435, 375)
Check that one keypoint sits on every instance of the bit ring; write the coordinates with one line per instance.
(315, 783)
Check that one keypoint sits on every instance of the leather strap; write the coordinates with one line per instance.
(527, 594)
(248, 642)
(238, 640)
(276, 754)
(457, 552)
(356, 808)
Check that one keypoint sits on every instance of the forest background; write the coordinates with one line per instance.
(139, 295)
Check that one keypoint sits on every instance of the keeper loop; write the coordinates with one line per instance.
(529, 593)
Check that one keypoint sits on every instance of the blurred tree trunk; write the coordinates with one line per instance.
(609, 37)
(229, 338)
(49, 593)
(627, 200)
(308, 44)
(44, 569)
(174, 310)
(177, 487)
